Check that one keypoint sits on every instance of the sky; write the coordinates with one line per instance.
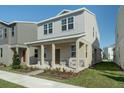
(106, 17)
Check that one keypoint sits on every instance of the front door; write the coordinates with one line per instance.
(57, 56)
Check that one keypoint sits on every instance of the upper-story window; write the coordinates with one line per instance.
(48, 28)
(64, 24)
(13, 31)
(45, 29)
(70, 23)
(5, 32)
(67, 23)
(1, 33)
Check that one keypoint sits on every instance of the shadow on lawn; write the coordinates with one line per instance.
(106, 66)
(117, 78)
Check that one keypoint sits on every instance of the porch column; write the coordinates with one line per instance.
(77, 55)
(53, 55)
(28, 56)
(17, 50)
(42, 55)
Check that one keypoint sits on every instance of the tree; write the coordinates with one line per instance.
(16, 61)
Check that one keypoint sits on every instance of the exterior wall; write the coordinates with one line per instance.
(12, 39)
(57, 32)
(4, 40)
(92, 37)
(90, 23)
(119, 50)
(26, 32)
(7, 54)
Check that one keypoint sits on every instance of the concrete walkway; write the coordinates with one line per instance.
(32, 82)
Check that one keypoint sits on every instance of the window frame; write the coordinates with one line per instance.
(73, 50)
(45, 29)
(71, 23)
(64, 24)
(13, 31)
(5, 32)
(50, 27)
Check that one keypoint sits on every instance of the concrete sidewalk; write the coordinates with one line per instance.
(32, 82)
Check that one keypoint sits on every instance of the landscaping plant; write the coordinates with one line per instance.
(16, 61)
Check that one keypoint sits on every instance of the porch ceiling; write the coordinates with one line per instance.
(70, 38)
(56, 42)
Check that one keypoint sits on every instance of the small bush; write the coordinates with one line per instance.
(16, 61)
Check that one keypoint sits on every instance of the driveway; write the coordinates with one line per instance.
(32, 82)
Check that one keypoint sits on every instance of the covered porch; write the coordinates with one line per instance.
(69, 54)
(21, 51)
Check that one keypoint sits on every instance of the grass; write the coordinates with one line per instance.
(101, 75)
(23, 70)
(6, 84)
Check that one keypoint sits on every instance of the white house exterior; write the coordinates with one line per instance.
(12, 38)
(108, 52)
(69, 40)
(119, 49)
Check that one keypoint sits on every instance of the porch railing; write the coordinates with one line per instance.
(72, 62)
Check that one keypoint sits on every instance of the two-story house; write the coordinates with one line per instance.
(119, 48)
(69, 40)
(12, 38)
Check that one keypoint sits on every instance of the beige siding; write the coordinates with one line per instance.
(26, 32)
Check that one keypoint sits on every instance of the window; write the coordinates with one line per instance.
(86, 50)
(36, 53)
(93, 31)
(1, 33)
(5, 31)
(70, 23)
(45, 29)
(64, 24)
(50, 28)
(1, 52)
(13, 31)
(73, 51)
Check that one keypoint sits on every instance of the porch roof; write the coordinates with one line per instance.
(55, 39)
(18, 45)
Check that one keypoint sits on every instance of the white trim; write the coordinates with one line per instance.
(21, 22)
(78, 10)
(13, 46)
(54, 39)
(63, 11)
(9, 23)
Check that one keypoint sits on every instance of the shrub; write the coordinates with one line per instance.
(16, 61)
(63, 70)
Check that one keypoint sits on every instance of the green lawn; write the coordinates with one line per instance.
(6, 84)
(104, 74)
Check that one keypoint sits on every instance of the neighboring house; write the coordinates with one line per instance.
(69, 40)
(119, 49)
(12, 38)
(108, 52)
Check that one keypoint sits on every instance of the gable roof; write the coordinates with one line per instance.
(67, 13)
